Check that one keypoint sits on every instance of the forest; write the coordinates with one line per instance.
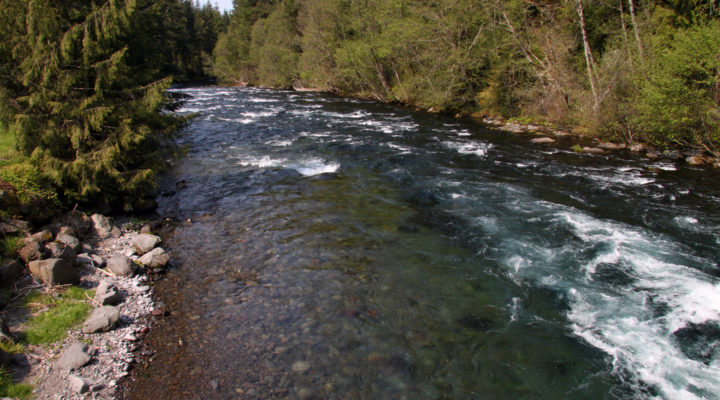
(625, 70)
(84, 107)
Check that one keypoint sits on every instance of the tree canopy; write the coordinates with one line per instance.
(634, 70)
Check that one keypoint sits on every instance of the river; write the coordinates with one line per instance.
(343, 249)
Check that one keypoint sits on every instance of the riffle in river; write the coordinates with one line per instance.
(345, 249)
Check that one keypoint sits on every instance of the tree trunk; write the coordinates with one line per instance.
(588, 56)
(631, 7)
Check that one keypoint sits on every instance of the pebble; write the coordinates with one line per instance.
(301, 366)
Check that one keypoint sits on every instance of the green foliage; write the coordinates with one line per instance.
(680, 100)
(85, 110)
(641, 59)
(11, 245)
(13, 390)
(56, 314)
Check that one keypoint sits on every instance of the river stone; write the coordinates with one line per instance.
(79, 384)
(101, 226)
(54, 271)
(90, 260)
(672, 155)
(121, 265)
(610, 146)
(74, 357)
(60, 250)
(593, 150)
(43, 236)
(32, 251)
(107, 294)
(542, 140)
(301, 366)
(102, 319)
(144, 242)
(695, 160)
(10, 271)
(68, 240)
(157, 258)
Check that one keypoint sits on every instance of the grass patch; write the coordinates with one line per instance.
(12, 347)
(13, 390)
(55, 314)
(10, 246)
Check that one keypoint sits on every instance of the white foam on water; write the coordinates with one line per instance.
(665, 166)
(307, 166)
(479, 149)
(403, 149)
(314, 166)
(464, 132)
(280, 143)
(262, 162)
(685, 221)
(625, 324)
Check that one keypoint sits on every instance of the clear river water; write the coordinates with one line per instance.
(345, 249)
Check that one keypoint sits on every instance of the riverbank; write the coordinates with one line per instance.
(107, 263)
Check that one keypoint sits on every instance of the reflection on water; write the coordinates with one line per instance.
(342, 249)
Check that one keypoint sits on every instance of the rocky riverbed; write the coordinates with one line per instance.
(115, 261)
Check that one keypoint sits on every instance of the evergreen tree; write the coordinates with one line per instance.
(84, 112)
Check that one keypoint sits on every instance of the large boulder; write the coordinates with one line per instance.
(144, 242)
(102, 319)
(157, 258)
(121, 265)
(74, 357)
(54, 271)
(79, 384)
(107, 294)
(61, 250)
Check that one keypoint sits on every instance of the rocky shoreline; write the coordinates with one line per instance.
(118, 264)
(547, 136)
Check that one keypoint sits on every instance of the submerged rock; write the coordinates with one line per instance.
(54, 271)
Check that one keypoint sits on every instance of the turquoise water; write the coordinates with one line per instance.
(343, 249)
